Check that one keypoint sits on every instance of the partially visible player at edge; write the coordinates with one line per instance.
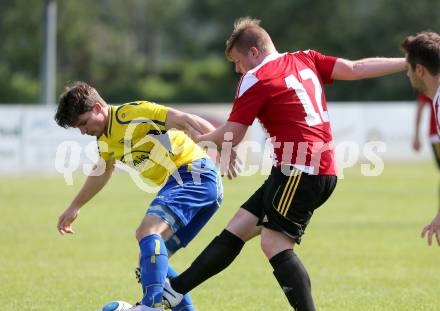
(147, 137)
(434, 138)
(285, 92)
(422, 53)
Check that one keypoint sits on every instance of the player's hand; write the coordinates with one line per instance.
(192, 133)
(66, 219)
(232, 167)
(416, 144)
(433, 229)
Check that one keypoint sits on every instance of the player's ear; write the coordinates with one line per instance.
(253, 51)
(420, 70)
(97, 107)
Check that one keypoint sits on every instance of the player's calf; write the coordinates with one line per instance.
(293, 279)
(153, 268)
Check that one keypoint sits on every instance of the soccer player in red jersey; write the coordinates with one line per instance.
(434, 138)
(423, 57)
(285, 93)
(422, 102)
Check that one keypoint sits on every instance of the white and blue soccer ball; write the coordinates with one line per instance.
(116, 306)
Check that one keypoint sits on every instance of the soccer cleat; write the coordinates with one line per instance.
(140, 307)
(171, 298)
(137, 273)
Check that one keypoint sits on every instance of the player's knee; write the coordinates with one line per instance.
(152, 224)
(142, 231)
(244, 225)
(272, 245)
(266, 246)
(139, 234)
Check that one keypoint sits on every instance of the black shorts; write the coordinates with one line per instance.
(286, 201)
(436, 150)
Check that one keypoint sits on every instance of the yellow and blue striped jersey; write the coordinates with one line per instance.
(136, 135)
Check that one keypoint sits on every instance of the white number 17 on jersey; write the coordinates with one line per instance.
(313, 117)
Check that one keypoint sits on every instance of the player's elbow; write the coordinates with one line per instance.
(346, 70)
(176, 120)
(109, 167)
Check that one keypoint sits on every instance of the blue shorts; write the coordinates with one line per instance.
(188, 200)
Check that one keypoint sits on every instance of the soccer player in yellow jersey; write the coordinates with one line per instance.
(150, 139)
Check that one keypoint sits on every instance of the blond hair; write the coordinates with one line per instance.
(248, 33)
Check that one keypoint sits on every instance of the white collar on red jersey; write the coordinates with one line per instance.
(268, 58)
(249, 78)
(435, 105)
(437, 94)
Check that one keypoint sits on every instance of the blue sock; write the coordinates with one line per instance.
(186, 303)
(154, 267)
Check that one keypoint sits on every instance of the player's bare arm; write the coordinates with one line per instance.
(367, 68)
(229, 132)
(191, 124)
(93, 184)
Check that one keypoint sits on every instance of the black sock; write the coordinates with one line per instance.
(219, 254)
(293, 279)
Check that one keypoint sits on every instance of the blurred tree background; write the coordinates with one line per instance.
(172, 50)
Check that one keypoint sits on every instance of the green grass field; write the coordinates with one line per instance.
(362, 249)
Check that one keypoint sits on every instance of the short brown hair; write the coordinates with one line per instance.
(248, 33)
(424, 49)
(78, 98)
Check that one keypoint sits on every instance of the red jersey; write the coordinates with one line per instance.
(432, 123)
(285, 93)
